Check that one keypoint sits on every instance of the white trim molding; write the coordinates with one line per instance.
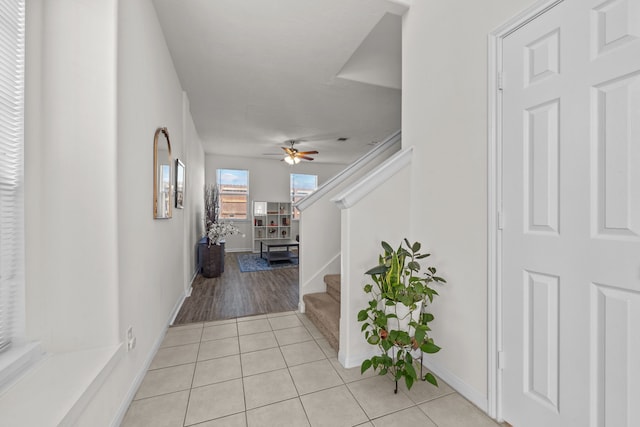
(126, 402)
(386, 170)
(406, 4)
(494, 200)
(459, 385)
(353, 168)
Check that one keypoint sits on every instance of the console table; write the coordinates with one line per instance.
(283, 253)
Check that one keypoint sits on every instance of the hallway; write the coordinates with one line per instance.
(278, 370)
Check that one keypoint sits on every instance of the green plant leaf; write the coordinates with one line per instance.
(373, 339)
(431, 378)
(378, 269)
(381, 321)
(365, 365)
(364, 326)
(362, 315)
(387, 247)
(421, 256)
(408, 381)
(403, 338)
(393, 275)
(408, 367)
(429, 347)
(420, 334)
(416, 247)
(367, 288)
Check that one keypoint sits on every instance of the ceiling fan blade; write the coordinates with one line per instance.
(305, 157)
(287, 149)
(308, 152)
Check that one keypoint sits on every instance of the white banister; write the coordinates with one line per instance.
(386, 170)
(352, 169)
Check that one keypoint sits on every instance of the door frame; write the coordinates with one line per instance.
(494, 199)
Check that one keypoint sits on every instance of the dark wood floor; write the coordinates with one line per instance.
(237, 294)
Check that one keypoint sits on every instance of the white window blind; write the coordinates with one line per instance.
(12, 35)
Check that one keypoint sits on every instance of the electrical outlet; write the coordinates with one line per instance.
(131, 339)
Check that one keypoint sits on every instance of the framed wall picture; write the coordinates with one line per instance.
(180, 184)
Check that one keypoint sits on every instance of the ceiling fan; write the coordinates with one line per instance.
(293, 156)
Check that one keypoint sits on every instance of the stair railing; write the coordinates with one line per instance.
(320, 219)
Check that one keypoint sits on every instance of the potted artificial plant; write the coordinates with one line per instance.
(396, 319)
(212, 245)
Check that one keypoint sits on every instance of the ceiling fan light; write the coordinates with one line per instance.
(291, 160)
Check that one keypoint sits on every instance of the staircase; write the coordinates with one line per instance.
(323, 309)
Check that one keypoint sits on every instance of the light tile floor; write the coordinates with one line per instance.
(278, 370)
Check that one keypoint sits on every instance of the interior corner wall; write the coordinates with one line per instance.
(151, 253)
(194, 200)
(268, 181)
(444, 117)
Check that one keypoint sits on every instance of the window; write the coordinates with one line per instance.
(233, 188)
(11, 172)
(301, 186)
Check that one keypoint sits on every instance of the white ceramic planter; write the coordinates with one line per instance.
(404, 317)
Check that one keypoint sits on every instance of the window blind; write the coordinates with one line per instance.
(12, 55)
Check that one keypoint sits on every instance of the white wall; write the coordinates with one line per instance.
(154, 269)
(362, 234)
(445, 118)
(71, 177)
(100, 81)
(268, 181)
(194, 201)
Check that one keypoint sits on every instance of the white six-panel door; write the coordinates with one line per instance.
(571, 207)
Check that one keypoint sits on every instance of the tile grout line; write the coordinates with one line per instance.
(244, 395)
(292, 380)
(195, 367)
(316, 340)
(344, 383)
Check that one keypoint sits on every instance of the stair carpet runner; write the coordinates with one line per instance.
(323, 309)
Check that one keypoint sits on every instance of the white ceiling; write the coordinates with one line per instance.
(260, 72)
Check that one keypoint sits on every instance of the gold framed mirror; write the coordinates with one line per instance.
(162, 174)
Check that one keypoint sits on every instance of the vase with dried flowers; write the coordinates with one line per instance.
(212, 245)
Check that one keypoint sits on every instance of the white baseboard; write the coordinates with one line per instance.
(176, 307)
(356, 360)
(240, 250)
(470, 393)
(117, 420)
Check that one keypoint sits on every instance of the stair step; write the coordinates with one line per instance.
(333, 286)
(324, 311)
